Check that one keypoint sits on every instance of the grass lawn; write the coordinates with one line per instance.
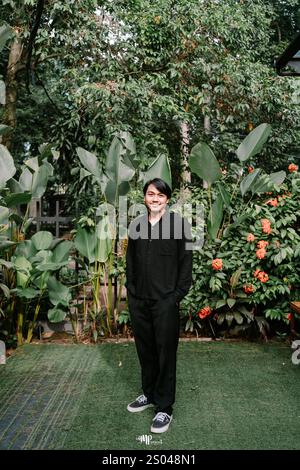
(230, 395)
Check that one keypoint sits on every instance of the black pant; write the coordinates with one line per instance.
(155, 325)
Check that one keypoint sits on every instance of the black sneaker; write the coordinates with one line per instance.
(141, 403)
(161, 422)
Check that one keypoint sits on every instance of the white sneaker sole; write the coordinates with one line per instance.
(162, 429)
(140, 408)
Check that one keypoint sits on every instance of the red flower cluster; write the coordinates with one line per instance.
(292, 167)
(204, 312)
(250, 169)
(250, 237)
(272, 202)
(217, 264)
(289, 316)
(262, 244)
(266, 226)
(260, 254)
(261, 275)
(249, 288)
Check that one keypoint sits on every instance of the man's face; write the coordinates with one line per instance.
(155, 200)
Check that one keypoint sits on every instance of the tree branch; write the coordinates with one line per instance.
(33, 33)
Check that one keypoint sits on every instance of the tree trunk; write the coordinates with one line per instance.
(11, 88)
(185, 173)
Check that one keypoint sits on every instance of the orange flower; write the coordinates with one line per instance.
(263, 277)
(266, 226)
(289, 316)
(260, 254)
(204, 312)
(217, 264)
(248, 288)
(262, 244)
(250, 169)
(250, 237)
(292, 167)
(272, 202)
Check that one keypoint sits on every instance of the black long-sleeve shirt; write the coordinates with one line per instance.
(158, 261)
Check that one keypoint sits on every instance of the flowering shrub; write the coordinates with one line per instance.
(250, 272)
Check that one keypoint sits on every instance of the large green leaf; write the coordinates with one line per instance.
(61, 251)
(40, 180)
(58, 292)
(26, 248)
(254, 142)
(32, 163)
(204, 163)
(5, 34)
(160, 168)
(50, 266)
(112, 191)
(215, 217)
(224, 194)
(27, 293)
(7, 166)
(4, 213)
(130, 158)
(56, 315)
(104, 240)
(26, 179)
(18, 198)
(85, 242)
(249, 181)
(42, 240)
(89, 161)
(115, 168)
(23, 267)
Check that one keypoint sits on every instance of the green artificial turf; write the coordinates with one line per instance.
(230, 395)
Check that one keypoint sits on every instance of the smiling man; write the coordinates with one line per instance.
(159, 275)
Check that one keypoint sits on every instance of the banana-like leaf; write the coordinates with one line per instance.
(49, 266)
(249, 181)
(42, 240)
(32, 163)
(89, 161)
(204, 163)
(26, 179)
(224, 194)
(4, 213)
(85, 243)
(115, 168)
(160, 168)
(17, 198)
(104, 240)
(14, 186)
(40, 180)
(7, 166)
(254, 142)
(5, 290)
(215, 217)
(112, 191)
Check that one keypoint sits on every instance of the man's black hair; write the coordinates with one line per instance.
(160, 185)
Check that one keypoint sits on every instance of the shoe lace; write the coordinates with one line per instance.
(161, 416)
(141, 399)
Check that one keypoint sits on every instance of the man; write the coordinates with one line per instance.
(159, 275)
